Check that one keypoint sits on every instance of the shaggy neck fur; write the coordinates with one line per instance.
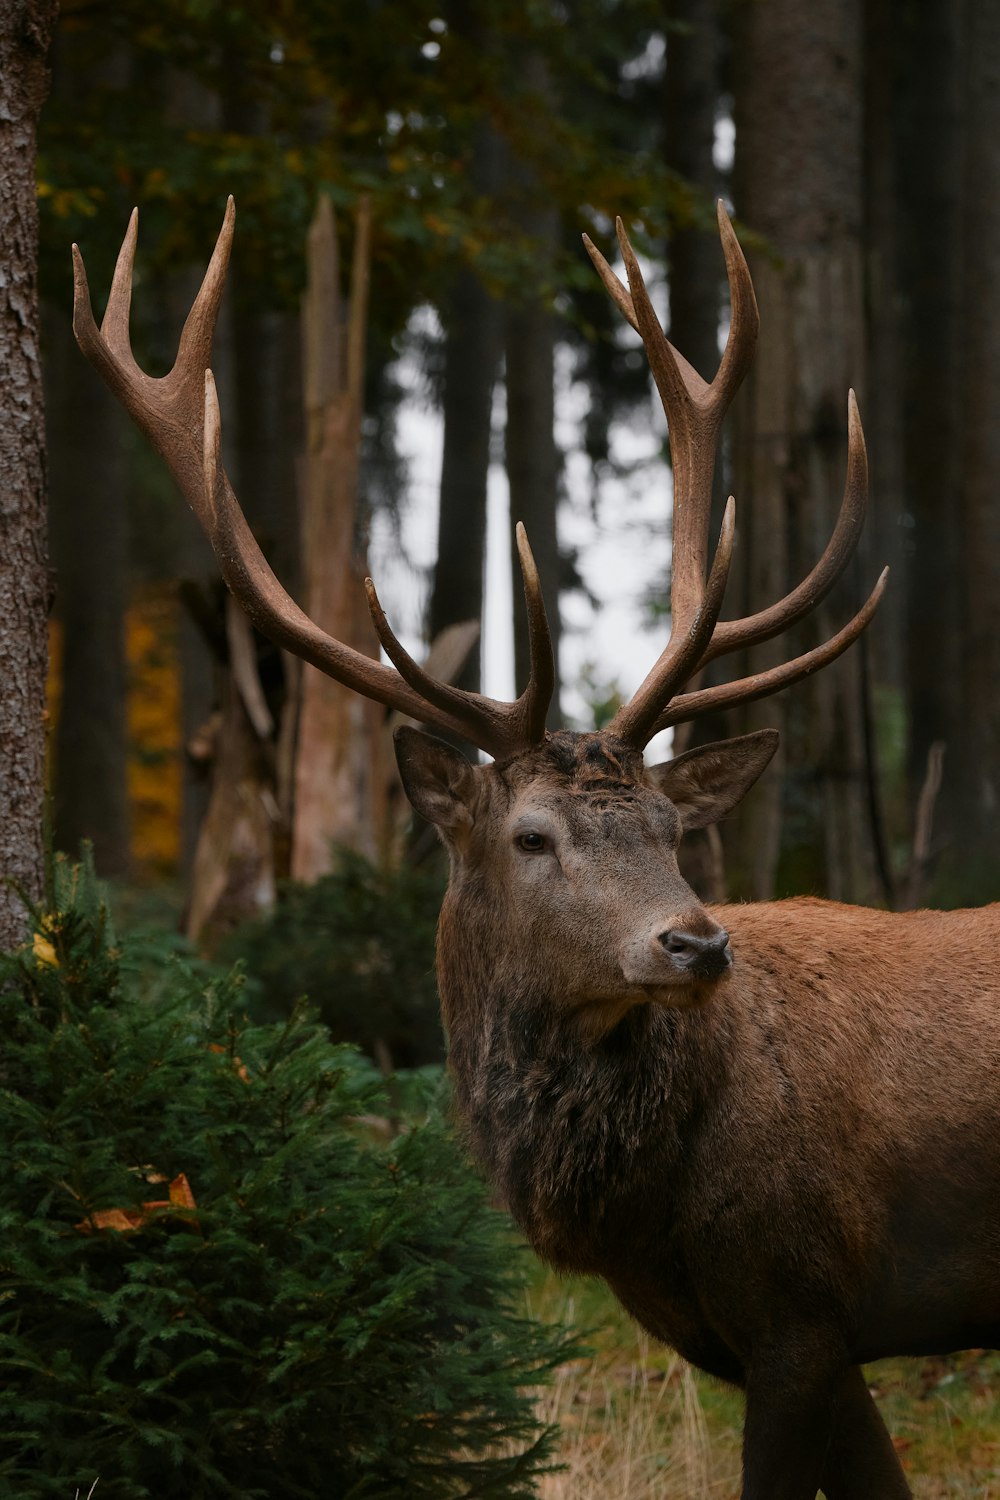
(574, 1135)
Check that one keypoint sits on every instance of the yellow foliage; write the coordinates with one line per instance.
(155, 752)
(44, 951)
(155, 767)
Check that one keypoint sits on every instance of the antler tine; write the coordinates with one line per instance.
(618, 294)
(689, 706)
(634, 721)
(533, 704)
(694, 410)
(194, 348)
(115, 324)
(107, 346)
(511, 726)
(498, 728)
(744, 318)
(731, 635)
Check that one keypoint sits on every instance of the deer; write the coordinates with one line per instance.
(773, 1129)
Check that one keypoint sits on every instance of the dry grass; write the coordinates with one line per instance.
(639, 1424)
(636, 1431)
(636, 1422)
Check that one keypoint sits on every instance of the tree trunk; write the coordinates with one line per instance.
(690, 101)
(473, 327)
(929, 157)
(979, 384)
(883, 649)
(25, 34)
(267, 381)
(533, 460)
(533, 468)
(799, 161)
(335, 756)
(233, 871)
(90, 552)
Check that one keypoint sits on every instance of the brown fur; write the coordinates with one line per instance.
(781, 1172)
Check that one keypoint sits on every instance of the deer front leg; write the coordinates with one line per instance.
(861, 1463)
(811, 1424)
(791, 1393)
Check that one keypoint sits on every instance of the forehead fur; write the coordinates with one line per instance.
(591, 765)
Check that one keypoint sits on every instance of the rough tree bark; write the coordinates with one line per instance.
(799, 163)
(25, 35)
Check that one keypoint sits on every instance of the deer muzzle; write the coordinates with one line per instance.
(698, 955)
(677, 953)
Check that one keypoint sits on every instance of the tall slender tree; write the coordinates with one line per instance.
(533, 462)
(25, 35)
(978, 747)
(927, 282)
(90, 553)
(798, 181)
(89, 526)
(472, 319)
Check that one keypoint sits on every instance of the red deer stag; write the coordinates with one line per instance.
(773, 1129)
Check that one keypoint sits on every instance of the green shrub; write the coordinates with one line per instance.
(359, 944)
(332, 1317)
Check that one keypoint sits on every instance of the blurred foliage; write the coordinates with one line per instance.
(359, 945)
(602, 697)
(176, 107)
(287, 1307)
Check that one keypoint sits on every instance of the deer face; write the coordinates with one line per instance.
(564, 862)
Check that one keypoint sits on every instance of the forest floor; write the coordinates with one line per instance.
(638, 1423)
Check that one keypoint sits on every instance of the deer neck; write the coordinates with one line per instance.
(575, 1134)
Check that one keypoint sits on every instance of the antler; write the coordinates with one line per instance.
(694, 410)
(179, 413)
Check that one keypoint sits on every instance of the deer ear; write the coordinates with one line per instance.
(439, 781)
(707, 783)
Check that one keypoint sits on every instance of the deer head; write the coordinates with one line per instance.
(565, 838)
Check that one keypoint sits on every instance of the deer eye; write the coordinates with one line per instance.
(531, 843)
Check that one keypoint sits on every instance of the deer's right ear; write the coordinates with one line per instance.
(439, 781)
(706, 783)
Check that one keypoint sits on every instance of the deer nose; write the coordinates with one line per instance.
(705, 957)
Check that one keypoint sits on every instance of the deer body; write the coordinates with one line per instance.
(799, 1153)
(854, 1103)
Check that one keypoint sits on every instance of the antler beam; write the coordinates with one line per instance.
(179, 413)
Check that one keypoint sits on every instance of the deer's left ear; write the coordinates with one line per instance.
(707, 783)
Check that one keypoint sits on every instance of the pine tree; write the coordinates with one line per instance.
(213, 1281)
